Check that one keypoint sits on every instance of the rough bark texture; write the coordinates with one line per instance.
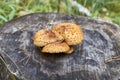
(87, 62)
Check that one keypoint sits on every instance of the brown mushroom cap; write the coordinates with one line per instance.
(44, 37)
(57, 47)
(71, 32)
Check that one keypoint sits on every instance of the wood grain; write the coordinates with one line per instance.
(87, 62)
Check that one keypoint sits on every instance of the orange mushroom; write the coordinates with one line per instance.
(60, 39)
(57, 47)
(44, 37)
(69, 51)
(71, 32)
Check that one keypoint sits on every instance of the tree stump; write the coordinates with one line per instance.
(98, 58)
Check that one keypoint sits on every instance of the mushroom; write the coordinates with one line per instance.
(60, 39)
(71, 32)
(57, 47)
(44, 37)
(70, 50)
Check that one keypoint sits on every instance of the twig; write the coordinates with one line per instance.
(115, 58)
(12, 61)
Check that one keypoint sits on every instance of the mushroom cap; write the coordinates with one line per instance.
(44, 37)
(57, 47)
(70, 50)
(71, 32)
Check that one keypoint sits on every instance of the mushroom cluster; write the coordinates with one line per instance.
(60, 39)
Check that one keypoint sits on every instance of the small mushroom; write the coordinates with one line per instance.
(70, 50)
(57, 47)
(44, 37)
(71, 32)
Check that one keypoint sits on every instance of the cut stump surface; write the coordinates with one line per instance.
(87, 62)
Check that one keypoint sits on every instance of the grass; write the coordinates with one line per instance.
(105, 9)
